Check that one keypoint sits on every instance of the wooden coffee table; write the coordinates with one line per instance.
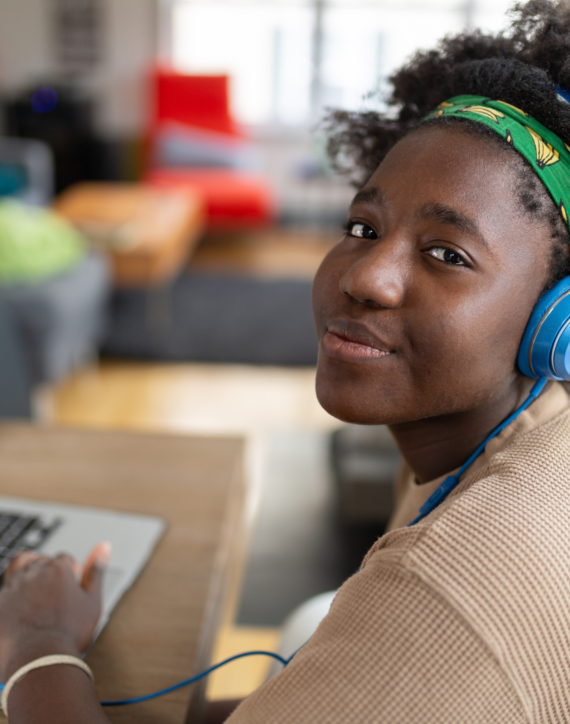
(149, 233)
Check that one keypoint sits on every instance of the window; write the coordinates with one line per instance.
(290, 59)
(265, 48)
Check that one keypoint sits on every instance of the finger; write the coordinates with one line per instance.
(92, 579)
(21, 561)
(70, 562)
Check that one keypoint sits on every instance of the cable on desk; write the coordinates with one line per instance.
(193, 679)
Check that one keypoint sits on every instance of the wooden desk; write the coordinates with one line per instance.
(148, 233)
(162, 631)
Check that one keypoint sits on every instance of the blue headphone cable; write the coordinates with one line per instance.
(192, 679)
(452, 481)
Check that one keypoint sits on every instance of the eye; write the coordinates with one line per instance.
(447, 255)
(360, 230)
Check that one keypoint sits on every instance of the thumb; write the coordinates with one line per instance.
(92, 578)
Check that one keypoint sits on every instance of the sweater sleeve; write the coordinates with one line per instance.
(390, 650)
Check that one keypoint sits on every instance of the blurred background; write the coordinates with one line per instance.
(165, 200)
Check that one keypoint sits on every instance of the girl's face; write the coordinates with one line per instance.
(421, 306)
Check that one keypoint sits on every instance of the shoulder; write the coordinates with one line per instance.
(380, 657)
(496, 552)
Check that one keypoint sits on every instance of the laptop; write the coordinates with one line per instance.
(52, 528)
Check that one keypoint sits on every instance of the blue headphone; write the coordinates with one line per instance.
(545, 346)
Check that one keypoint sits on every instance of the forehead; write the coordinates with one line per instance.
(450, 167)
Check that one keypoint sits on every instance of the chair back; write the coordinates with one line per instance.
(201, 101)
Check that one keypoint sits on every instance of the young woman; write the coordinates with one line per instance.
(459, 228)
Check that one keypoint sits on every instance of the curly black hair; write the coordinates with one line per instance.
(521, 66)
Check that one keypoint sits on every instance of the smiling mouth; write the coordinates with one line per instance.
(342, 347)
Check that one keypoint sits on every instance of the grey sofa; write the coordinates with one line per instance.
(60, 319)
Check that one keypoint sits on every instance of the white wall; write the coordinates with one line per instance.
(119, 82)
(25, 49)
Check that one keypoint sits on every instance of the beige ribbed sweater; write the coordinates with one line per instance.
(464, 617)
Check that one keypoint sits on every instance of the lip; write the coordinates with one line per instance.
(352, 342)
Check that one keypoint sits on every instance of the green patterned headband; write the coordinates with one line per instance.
(547, 153)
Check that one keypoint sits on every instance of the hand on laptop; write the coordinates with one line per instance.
(49, 606)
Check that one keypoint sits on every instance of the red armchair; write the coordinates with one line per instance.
(195, 142)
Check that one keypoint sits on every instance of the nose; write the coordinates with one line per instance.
(378, 276)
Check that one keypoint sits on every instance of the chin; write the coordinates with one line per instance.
(348, 404)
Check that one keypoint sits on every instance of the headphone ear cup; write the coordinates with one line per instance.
(545, 347)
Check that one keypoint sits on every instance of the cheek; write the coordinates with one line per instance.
(325, 292)
(469, 344)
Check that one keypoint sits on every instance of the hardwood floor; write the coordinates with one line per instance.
(197, 398)
(237, 680)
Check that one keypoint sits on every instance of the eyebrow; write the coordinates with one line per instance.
(368, 196)
(447, 215)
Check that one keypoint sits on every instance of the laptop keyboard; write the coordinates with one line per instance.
(22, 533)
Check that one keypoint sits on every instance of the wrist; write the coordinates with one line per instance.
(33, 646)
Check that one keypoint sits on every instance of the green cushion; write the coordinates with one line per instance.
(35, 243)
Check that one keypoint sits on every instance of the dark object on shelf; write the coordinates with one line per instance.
(216, 318)
(62, 119)
(365, 463)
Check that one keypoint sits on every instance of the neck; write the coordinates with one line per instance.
(435, 446)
